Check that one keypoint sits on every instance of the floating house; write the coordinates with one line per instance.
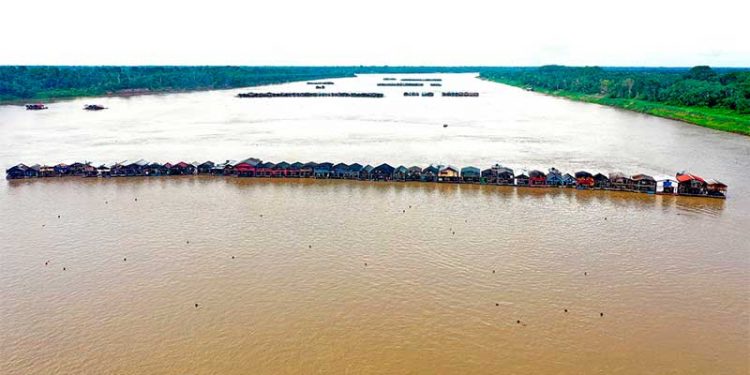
(584, 180)
(601, 181)
(471, 174)
(47, 171)
(182, 168)
(206, 167)
(568, 180)
(340, 170)
(715, 188)
(20, 171)
(619, 181)
(448, 174)
(135, 168)
(264, 169)
(62, 169)
(554, 177)
(522, 179)
(294, 169)
(430, 173)
(690, 184)
(666, 186)
(307, 169)
(89, 170)
(366, 172)
(155, 169)
(243, 169)
(353, 171)
(77, 169)
(537, 178)
(497, 174)
(104, 171)
(401, 173)
(281, 169)
(643, 183)
(323, 170)
(414, 174)
(226, 168)
(383, 172)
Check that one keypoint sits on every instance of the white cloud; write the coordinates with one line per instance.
(339, 32)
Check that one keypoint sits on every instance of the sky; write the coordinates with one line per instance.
(384, 32)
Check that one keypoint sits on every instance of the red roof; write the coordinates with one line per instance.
(687, 177)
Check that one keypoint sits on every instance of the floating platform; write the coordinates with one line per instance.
(311, 95)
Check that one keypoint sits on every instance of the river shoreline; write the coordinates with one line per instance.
(694, 116)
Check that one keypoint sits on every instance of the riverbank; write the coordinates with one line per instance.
(718, 119)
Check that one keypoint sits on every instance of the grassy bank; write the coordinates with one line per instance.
(714, 118)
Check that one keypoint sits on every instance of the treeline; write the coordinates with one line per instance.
(700, 86)
(41, 82)
(45, 82)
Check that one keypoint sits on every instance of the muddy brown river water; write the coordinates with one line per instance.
(312, 276)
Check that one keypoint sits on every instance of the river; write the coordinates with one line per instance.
(226, 275)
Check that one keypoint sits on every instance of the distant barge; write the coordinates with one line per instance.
(310, 94)
(35, 107)
(321, 83)
(401, 84)
(460, 93)
(421, 79)
(94, 107)
(684, 184)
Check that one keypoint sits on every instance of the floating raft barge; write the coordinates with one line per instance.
(401, 84)
(684, 184)
(310, 95)
(328, 83)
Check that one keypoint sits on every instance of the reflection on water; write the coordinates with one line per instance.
(311, 276)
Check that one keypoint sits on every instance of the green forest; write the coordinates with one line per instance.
(715, 98)
(49, 82)
(718, 98)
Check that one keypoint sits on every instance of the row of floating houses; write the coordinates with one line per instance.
(683, 183)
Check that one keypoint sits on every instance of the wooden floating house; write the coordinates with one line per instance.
(471, 174)
(401, 173)
(601, 181)
(643, 183)
(449, 174)
(497, 174)
(584, 180)
(414, 173)
(537, 178)
(522, 179)
(554, 177)
(383, 172)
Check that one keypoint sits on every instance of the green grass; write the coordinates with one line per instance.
(714, 118)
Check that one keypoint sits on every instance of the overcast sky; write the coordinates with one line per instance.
(384, 32)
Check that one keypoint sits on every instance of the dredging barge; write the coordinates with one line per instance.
(684, 184)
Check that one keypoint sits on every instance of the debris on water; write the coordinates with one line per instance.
(497, 304)
(136, 199)
(196, 305)
(46, 263)
(601, 314)
(188, 241)
(585, 274)
(493, 271)
(566, 310)
(124, 259)
(445, 125)
(309, 247)
(58, 216)
(518, 322)
(365, 264)
(232, 256)
(64, 268)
